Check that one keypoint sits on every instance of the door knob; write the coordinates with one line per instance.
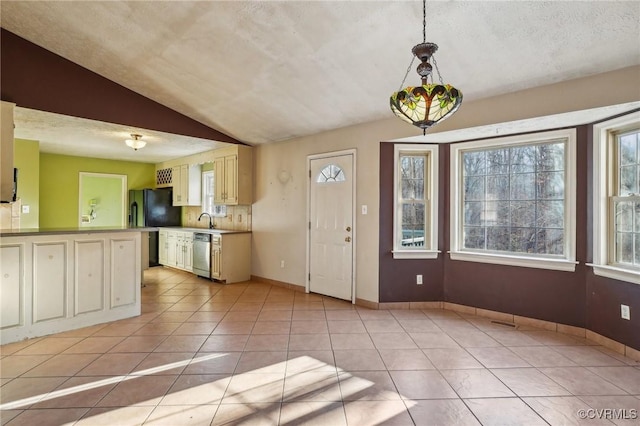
(348, 229)
(348, 239)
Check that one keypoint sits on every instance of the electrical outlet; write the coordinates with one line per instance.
(419, 279)
(25, 209)
(625, 312)
(282, 263)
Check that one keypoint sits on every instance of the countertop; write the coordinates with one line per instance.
(58, 231)
(205, 230)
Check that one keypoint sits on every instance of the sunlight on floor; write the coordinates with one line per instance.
(111, 380)
(313, 388)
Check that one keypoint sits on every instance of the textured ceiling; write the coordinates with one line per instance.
(263, 71)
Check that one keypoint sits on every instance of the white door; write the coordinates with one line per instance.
(331, 229)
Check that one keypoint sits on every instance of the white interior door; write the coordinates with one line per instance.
(331, 217)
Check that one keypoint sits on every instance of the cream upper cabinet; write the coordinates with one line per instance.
(233, 168)
(187, 182)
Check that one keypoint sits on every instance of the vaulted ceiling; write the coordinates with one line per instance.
(263, 71)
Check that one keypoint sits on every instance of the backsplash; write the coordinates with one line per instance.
(238, 218)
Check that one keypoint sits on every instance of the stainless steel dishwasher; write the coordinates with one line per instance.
(202, 254)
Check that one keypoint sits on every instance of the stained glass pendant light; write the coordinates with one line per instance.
(428, 104)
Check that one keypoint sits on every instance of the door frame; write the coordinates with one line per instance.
(123, 194)
(353, 153)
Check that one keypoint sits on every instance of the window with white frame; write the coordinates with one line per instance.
(513, 200)
(208, 191)
(616, 189)
(416, 202)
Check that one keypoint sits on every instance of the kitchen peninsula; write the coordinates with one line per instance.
(55, 280)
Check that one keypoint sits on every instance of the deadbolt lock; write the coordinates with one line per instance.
(348, 229)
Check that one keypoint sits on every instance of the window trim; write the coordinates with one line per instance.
(602, 190)
(430, 251)
(565, 263)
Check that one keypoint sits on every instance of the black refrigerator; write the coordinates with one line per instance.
(153, 207)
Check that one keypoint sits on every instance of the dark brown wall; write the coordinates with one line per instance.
(575, 298)
(604, 297)
(398, 276)
(35, 78)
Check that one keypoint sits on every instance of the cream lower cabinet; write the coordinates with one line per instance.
(54, 283)
(231, 257)
(163, 247)
(176, 249)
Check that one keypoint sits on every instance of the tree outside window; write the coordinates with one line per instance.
(514, 199)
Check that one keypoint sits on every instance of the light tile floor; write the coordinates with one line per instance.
(204, 353)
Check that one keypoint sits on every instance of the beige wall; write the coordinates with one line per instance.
(279, 210)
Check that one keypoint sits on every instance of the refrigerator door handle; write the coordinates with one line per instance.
(134, 214)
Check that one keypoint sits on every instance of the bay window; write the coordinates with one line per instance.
(513, 200)
(616, 189)
(415, 195)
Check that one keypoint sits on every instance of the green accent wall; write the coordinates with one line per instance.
(59, 184)
(103, 195)
(26, 158)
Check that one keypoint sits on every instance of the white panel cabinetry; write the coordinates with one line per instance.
(49, 281)
(179, 249)
(54, 283)
(123, 272)
(89, 276)
(12, 289)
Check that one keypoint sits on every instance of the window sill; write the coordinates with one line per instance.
(415, 254)
(521, 261)
(616, 273)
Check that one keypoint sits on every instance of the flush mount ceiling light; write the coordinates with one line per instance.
(136, 143)
(425, 105)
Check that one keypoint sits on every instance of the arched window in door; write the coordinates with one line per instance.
(331, 173)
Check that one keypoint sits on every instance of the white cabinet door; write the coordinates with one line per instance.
(219, 176)
(186, 182)
(188, 251)
(11, 285)
(89, 276)
(179, 250)
(163, 247)
(231, 179)
(176, 182)
(172, 248)
(49, 281)
(124, 278)
(216, 262)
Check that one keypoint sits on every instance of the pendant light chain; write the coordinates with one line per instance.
(435, 64)
(424, 21)
(413, 58)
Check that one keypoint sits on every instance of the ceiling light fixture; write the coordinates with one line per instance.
(425, 105)
(136, 143)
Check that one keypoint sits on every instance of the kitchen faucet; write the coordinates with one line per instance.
(210, 222)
